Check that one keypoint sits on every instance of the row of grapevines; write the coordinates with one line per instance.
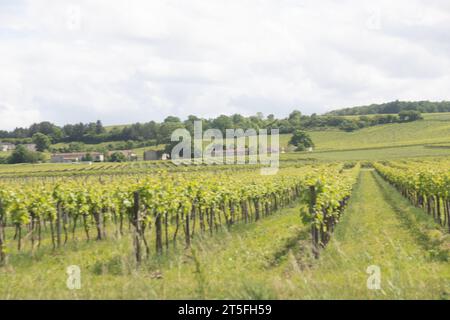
(425, 183)
(327, 194)
(166, 207)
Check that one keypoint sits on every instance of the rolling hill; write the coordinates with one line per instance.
(425, 138)
(434, 129)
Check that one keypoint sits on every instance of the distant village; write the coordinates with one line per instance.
(128, 155)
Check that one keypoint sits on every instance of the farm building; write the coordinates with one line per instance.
(76, 157)
(6, 146)
(151, 155)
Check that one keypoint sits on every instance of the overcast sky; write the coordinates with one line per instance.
(128, 61)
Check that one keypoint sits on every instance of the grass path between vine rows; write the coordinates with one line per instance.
(379, 228)
(269, 259)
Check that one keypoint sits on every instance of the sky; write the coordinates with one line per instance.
(136, 61)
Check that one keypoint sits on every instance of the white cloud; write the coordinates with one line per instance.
(122, 62)
(16, 116)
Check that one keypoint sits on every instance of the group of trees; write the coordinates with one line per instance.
(351, 124)
(409, 115)
(156, 132)
(394, 107)
(301, 140)
(23, 155)
(117, 157)
(42, 141)
(151, 133)
(90, 132)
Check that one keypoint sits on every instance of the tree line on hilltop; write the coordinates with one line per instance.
(394, 107)
(154, 133)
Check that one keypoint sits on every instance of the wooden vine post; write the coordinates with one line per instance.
(137, 228)
(58, 224)
(2, 243)
(187, 229)
(314, 230)
(159, 231)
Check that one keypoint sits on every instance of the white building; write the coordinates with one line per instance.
(76, 157)
(6, 146)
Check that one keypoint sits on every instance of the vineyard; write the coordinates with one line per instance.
(169, 207)
(159, 213)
